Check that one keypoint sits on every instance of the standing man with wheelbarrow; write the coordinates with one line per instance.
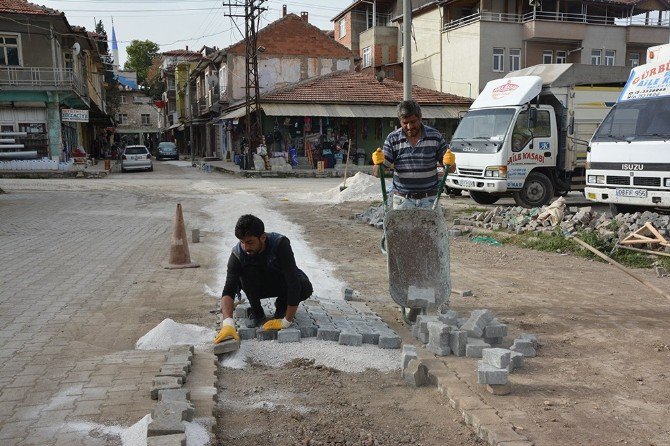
(415, 231)
(414, 151)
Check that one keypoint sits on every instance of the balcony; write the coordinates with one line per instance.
(42, 79)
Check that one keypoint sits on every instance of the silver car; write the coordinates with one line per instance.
(136, 158)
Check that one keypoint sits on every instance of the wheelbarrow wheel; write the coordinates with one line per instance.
(409, 315)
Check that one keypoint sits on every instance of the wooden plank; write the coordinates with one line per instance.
(648, 251)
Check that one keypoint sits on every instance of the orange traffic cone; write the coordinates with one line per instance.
(179, 255)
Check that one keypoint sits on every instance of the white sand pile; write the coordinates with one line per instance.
(330, 354)
(360, 187)
(169, 333)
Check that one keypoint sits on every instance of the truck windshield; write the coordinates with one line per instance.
(638, 120)
(487, 124)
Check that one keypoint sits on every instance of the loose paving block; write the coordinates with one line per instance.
(246, 333)
(487, 374)
(516, 361)
(449, 317)
(497, 357)
(523, 346)
(438, 339)
(242, 311)
(458, 340)
(476, 323)
(499, 389)
(474, 347)
(167, 440)
(493, 341)
(348, 294)
(408, 353)
(350, 338)
(164, 382)
(289, 335)
(226, 346)
(529, 337)
(495, 330)
(415, 374)
(182, 395)
(389, 341)
(266, 335)
(421, 297)
(328, 334)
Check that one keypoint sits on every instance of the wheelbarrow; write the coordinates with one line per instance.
(416, 245)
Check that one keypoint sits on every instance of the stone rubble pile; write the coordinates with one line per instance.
(472, 337)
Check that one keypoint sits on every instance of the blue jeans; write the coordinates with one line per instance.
(412, 203)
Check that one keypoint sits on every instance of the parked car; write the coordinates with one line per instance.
(136, 158)
(167, 150)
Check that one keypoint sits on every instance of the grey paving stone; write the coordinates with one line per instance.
(266, 335)
(495, 330)
(408, 353)
(389, 341)
(227, 346)
(246, 333)
(178, 409)
(415, 374)
(523, 346)
(487, 374)
(328, 334)
(308, 331)
(476, 322)
(474, 347)
(530, 337)
(438, 340)
(182, 395)
(167, 440)
(350, 338)
(164, 382)
(516, 361)
(289, 335)
(458, 340)
(497, 357)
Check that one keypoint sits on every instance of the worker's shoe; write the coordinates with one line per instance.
(255, 320)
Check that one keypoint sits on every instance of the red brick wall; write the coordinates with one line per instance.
(346, 40)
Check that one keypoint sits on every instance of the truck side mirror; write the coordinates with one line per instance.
(532, 117)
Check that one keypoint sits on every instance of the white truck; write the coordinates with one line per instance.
(629, 157)
(526, 134)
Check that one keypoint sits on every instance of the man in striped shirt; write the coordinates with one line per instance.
(413, 151)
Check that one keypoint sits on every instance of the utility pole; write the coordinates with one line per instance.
(252, 11)
(407, 49)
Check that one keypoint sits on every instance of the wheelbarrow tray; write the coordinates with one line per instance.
(417, 249)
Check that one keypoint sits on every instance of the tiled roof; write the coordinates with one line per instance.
(185, 53)
(23, 7)
(293, 36)
(358, 88)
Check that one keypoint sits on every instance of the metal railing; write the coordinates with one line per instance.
(42, 78)
(555, 17)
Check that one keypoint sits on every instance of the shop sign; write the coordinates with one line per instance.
(73, 115)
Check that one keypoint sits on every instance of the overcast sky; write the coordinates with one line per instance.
(173, 24)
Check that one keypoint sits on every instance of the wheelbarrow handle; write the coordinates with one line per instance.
(440, 187)
(383, 183)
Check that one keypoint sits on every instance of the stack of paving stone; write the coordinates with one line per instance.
(497, 363)
(174, 405)
(447, 334)
(347, 323)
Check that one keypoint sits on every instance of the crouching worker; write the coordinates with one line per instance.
(262, 264)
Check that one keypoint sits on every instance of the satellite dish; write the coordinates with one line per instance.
(76, 49)
(212, 80)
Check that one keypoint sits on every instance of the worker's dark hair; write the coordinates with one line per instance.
(409, 108)
(249, 225)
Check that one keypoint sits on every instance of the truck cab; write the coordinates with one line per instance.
(526, 136)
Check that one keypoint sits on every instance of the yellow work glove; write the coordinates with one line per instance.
(276, 324)
(228, 331)
(449, 158)
(378, 157)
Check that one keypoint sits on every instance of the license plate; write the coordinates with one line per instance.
(639, 193)
(467, 183)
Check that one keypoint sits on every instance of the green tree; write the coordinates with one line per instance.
(100, 28)
(140, 56)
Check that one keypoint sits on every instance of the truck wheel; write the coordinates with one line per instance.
(483, 197)
(621, 209)
(454, 192)
(537, 191)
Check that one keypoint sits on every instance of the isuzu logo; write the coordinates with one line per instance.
(470, 149)
(632, 167)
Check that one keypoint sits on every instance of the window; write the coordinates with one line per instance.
(343, 28)
(146, 119)
(610, 55)
(170, 84)
(367, 57)
(522, 134)
(514, 59)
(561, 56)
(547, 56)
(122, 118)
(498, 59)
(9, 49)
(595, 57)
(634, 59)
(223, 80)
(124, 100)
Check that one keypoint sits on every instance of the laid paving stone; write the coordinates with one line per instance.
(289, 335)
(389, 341)
(499, 389)
(178, 371)
(266, 335)
(167, 440)
(164, 382)
(227, 346)
(328, 334)
(182, 349)
(246, 333)
(168, 409)
(181, 394)
(350, 338)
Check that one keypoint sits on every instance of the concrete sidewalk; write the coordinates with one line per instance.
(81, 283)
